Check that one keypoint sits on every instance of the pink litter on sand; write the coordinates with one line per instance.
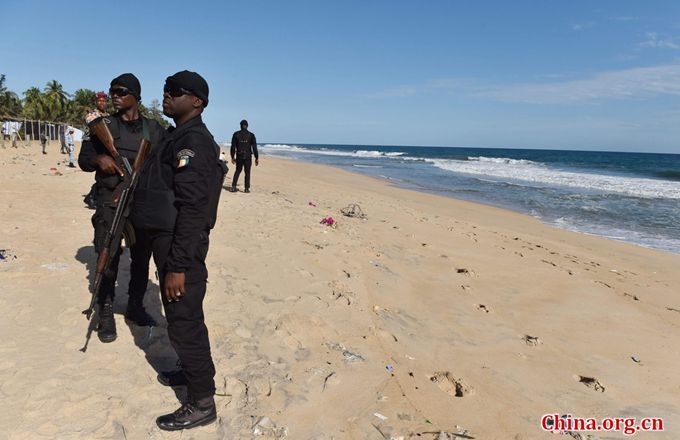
(327, 221)
(312, 204)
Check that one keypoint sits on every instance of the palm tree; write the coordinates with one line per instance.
(56, 100)
(10, 104)
(35, 104)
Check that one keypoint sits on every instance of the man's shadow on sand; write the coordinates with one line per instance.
(153, 341)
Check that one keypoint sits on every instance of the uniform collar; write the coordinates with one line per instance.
(193, 122)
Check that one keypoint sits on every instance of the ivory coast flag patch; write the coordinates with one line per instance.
(183, 157)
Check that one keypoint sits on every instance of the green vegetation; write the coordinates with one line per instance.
(54, 104)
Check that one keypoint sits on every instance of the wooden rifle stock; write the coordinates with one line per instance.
(121, 200)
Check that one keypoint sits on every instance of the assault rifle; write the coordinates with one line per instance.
(122, 199)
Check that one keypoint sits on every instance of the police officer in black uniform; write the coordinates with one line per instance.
(176, 203)
(243, 147)
(127, 127)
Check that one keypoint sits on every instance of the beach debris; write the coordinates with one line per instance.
(6, 255)
(311, 204)
(636, 360)
(532, 340)
(591, 382)
(317, 246)
(349, 356)
(352, 357)
(447, 435)
(347, 273)
(389, 368)
(451, 385)
(483, 308)
(380, 416)
(328, 221)
(463, 271)
(266, 427)
(55, 266)
(411, 358)
(353, 210)
(325, 380)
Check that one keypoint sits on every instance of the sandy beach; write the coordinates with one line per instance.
(430, 319)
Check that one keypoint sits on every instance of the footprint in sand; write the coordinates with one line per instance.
(591, 382)
(483, 308)
(342, 292)
(532, 340)
(451, 385)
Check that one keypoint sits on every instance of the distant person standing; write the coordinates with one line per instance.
(101, 102)
(62, 139)
(43, 142)
(14, 133)
(71, 146)
(243, 147)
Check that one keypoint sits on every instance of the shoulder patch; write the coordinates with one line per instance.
(184, 156)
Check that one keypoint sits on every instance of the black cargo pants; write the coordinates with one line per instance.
(140, 254)
(243, 164)
(186, 323)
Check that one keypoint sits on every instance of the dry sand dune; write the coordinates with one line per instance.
(431, 319)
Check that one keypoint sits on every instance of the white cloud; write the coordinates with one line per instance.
(581, 26)
(637, 83)
(653, 41)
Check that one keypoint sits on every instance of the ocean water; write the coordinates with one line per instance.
(633, 197)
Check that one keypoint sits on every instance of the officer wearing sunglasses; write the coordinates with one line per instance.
(127, 127)
(175, 204)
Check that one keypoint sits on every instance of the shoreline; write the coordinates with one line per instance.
(437, 314)
(393, 182)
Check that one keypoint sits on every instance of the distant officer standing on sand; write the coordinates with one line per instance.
(176, 203)
(243, 147)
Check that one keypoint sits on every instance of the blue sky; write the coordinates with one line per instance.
(602, 75)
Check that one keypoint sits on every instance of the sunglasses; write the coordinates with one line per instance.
(176, 92)
(120, 92)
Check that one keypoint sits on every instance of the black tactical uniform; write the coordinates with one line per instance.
(127, 136)
(243, 147)
(175, 203)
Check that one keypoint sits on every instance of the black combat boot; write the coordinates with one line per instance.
(195, 413)
(174, 378)
(247, 190)
(233, 189)
(107, 325)
(138, 315)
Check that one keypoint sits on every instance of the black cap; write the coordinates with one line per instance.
(244, 122)
(192, 82)
(130, 82)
